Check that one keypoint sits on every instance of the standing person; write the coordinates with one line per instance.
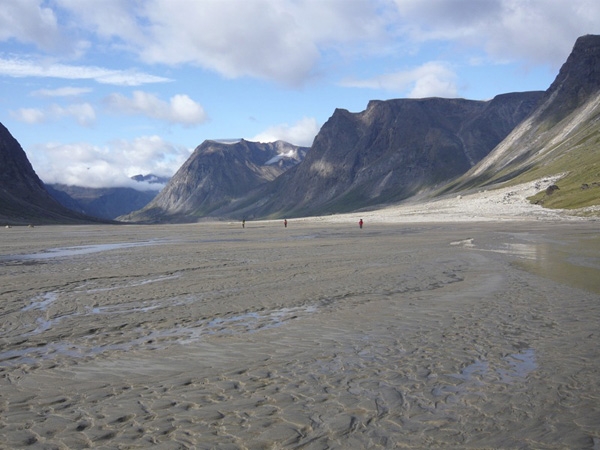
(360, 223)
(285, 223)
(243, 223)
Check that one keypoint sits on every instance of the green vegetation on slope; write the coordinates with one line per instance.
(577, 156)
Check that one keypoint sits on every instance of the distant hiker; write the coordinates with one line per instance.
(285, 223)
(243, 223)
(360, 223)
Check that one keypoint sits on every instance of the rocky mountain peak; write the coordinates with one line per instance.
(577, 80)
(217, 173)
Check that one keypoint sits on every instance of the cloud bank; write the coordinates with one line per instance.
(108, 166)
(288, 41)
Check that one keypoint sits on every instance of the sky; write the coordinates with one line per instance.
(97, 91)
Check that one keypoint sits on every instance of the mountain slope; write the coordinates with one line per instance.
(562, 137)
(216, 174)
(389, 152)
(23, 197)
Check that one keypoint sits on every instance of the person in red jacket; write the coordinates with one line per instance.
(360, 223)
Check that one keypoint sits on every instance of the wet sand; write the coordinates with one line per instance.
(314, 336)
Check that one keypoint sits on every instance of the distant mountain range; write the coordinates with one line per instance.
(107, 203)
(393, 151)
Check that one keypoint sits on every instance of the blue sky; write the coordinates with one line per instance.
(97, 91)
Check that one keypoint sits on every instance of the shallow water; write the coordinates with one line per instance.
(67, 252)
(573, 259)
(575, 262)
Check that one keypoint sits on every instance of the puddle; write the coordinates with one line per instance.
(479, 372)
(576, 264)
(87, 346)
(65, 252)
(574, 260)
(42, 305)
(474, 378)
(521, 365)
(525, 251)
(479, 368)
(133, 284)
(520, 250)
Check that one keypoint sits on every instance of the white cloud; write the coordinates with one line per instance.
(83, 164)
(280, 40)
(67, 91)
(541, 31)
(18, 67)
(29, 22)
(433, 79)
(290, 41)
(301, 133)
(180, 109)
(30, 115)
(109, 18)
(83, 113)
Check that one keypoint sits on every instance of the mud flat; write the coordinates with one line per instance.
(318, 335)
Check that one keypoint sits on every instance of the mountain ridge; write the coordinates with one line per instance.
(387, 153)
(562, 137)
(393, 151)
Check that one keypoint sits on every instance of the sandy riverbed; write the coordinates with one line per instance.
(429, 334)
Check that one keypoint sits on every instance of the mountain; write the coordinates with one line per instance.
(412, 148)
(105, 203)
(216, 174)
(108, 203)
(387, 153)
(23, 196)
(561, 138)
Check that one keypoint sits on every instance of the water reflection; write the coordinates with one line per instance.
(573, 260)
(576, 264)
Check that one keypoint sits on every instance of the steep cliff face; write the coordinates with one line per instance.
(562, 136)
(23, 197)
(216, 174)
(393, 150)
(577, 82)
